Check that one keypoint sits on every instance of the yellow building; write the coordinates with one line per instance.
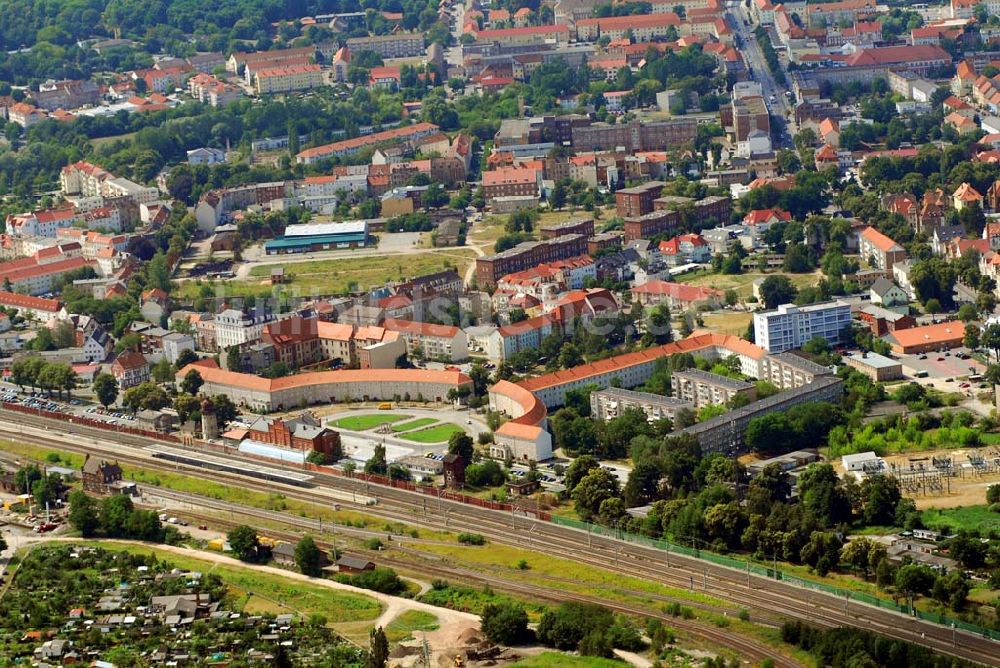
(287, 79)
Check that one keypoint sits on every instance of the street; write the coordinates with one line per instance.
(778, 103)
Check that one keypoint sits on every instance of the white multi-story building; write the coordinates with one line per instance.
(791, 326)
(235, 328)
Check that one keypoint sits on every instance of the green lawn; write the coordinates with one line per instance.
(342, 274)
(436, 434)
(413, 424)
(403, 626)
(370, 421)
(557, 660)
(968, 517)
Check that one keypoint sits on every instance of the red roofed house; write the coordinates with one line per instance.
(764, 218)
(510, 182)
(962, 123)
(964, 79)
(965, 195)
(43, 310)
(439, 342)
(677, 296)
(684, 249)
(130, 368)
(879, 250)
(829, 132)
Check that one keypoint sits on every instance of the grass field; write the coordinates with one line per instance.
(363, 422)
(743, 283)
(436, 434)
(967, 517)
(403, 626)
(413, 424)
(338, 275)
(265, 592)
(98, 142)
(728, 322)
(557, 660)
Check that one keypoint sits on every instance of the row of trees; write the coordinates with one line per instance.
(38, 374)
(116, 517)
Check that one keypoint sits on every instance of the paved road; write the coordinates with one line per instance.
(774, 93)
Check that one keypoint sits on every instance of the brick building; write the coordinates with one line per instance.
(637, 201)
(526, 255)
(305, 433)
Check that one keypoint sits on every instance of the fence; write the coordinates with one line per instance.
(775, 573)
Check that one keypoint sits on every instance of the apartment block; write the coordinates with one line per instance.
(635, 135)
(725, 433)
(526, 255)
(791, 326)
(439, 342)
(787, 371)
(709, 389)
(638, 200)
(609, 403)
(395, 45)
(879, 250)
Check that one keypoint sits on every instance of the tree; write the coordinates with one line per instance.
(233, 359)
(643, 484)
(557, 198)
(592, 490)
(225, 410)
(115, 512)
(915, 579)
(185, 357)
(486, 473)
(192, 382)
(820, 493)
(83, 513)
(162, 371)
(377, 464)
(461, 444)
(146, 395)
(378, 649)
(822, 552)
(578, 469)
(505, 623)
(308, 557)
(244, 543)
(777, 290)
(881, 495)
(570, 356)
(863, 554)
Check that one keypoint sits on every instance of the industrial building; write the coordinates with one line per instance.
(313, 237)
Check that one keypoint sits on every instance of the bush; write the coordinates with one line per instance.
(471, 539)
(505, 623)
(381, 579)
(373, 544)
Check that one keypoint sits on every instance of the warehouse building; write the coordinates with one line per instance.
(313, 237)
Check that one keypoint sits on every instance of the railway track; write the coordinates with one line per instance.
(745, 647)
(754, 592)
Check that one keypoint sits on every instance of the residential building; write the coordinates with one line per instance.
(791, 326)
(130, 368)
(709, 389)
(235, 328)
(511, 182)
(526, 255)
(638, 200)
(206, 156)
(558, 33)
(787, 371)
(287, 79)
(878, 250)
(44, 311)
(393, 45)
(685, 249)
(99, 476)
(725, 433)
(436, 342)
(398, 136)
(641, 27)
(635, 136)
(677, 296)
(887, 294)
(611, 402)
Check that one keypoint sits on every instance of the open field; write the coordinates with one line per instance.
(743, 283)
(413, 424)
(437, 434)
(339, 275)
(98, 142)
(363, 422)
(728, 322)
(968, 517)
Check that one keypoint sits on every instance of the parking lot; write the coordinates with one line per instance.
(942, 365)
